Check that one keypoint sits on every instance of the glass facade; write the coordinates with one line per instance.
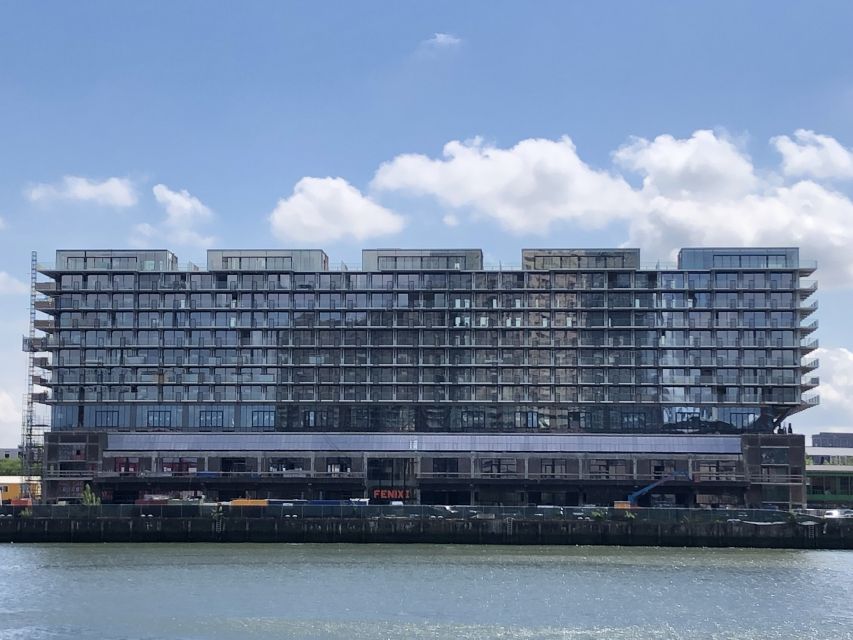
(576, 340)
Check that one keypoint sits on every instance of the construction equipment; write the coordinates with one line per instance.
(631, 502)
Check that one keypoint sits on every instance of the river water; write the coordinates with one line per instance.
(198, 591)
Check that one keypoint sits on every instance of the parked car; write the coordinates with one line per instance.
(839, 513)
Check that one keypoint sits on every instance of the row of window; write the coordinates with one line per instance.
(407, 357)
(356, 375)
(387, 417)
(343, 301)
(412, 338)
(598, 468)
(430, 393)
(346, 281)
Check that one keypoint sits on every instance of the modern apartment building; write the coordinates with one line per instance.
(426, 375)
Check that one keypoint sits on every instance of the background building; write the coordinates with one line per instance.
(574, 378)
(17, 487)
(10, 454)
(833, 439)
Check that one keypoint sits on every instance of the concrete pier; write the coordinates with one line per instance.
(822, 534)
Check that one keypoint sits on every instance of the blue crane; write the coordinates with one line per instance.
(632, 498)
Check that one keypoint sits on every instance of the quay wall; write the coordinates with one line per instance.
(803, 534)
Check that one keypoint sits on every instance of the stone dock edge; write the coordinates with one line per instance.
(817, 534)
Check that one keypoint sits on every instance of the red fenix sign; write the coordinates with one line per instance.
(392, 494)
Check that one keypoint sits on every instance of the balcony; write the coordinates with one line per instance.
(807, 288)
(811, 401)
(42, 362)
(34, 345)
(808, 309)
(807, 267)
(809, 328)
(41, 380)
(810, 365)
(45, 304)
(42, 397)
(810, 383)
(47, 326)
(808, 347)
(46, 287)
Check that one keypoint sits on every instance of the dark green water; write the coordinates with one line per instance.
(200, 591)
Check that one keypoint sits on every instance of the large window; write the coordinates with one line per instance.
(210, 419)
(498, 466)
(526, 419)
(473, 420)
(159, 419)
(263, 419)
(106, 418)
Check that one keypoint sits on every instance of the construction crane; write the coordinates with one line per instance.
(675, 475)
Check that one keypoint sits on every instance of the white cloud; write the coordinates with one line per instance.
(184, 212)
(805, 215)
(440, 41)
(143, 235)
(836, 382)
(450, 220)
(115, 192)
(330, 209)
(10, 419)
(11, 285)
(814, 155)
(704, 166)
(703, 190)
(525, 188)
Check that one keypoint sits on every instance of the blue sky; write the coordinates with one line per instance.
(489, 124)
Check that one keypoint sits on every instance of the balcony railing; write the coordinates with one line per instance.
(810, 365)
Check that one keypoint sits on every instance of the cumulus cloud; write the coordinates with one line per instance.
(440, 42)
(10, 418)
(836, 382)
(114, 192)
(11, 285)
(805, 214)
(814, 155)
(702, 190)
(330, 209)
(184, 213)
(525, 188)
(704, 166)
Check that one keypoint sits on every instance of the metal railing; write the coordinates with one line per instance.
(696, 477)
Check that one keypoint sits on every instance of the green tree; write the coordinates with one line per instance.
(10, 467)
(88, 496)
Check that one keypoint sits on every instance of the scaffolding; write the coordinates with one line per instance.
(32, 429)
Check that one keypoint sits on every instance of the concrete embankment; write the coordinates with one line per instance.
(803, 534)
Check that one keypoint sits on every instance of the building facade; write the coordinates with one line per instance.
(262, 348)
(829, 471)
(829, 439)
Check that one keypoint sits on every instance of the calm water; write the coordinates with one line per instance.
(390, 591)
